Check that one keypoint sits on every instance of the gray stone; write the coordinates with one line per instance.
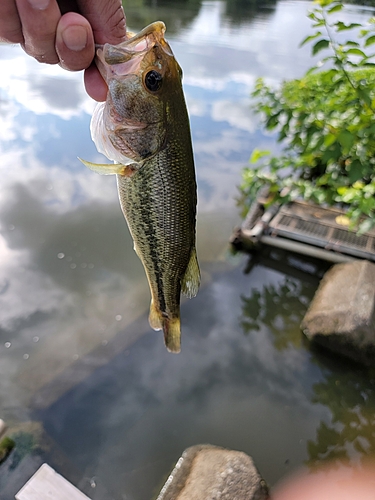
(341, 316)
(3, 427)
(206, 472)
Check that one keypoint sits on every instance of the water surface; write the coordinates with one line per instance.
(86, 383)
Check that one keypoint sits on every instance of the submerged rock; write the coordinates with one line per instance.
(6, 446)
(341, 316)
(206, 472)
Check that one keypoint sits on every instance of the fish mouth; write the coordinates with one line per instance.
(125, 58)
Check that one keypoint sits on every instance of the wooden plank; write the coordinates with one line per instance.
(47, 484)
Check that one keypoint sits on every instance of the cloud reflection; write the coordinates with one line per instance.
(71, 285)
(42, 89)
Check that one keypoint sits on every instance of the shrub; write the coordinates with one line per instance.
(326, 124)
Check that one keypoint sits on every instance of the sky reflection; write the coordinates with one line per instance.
(76, 351)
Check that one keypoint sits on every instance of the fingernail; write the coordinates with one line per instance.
(75, 37)
(39, 4)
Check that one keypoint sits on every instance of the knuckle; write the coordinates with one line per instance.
(46, 58)
(118, 23)
(43, 57)
(11, 36)
(115, 25)
(41, 54)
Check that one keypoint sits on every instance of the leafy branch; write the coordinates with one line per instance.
(325, 121)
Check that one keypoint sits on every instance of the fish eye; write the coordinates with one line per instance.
(153, 80)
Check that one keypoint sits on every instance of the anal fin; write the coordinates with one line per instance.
(192, 277)
(154, 317)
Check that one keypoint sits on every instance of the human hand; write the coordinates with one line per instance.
(65, 32)
(330, 483)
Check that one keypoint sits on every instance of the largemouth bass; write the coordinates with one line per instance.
(144, 128)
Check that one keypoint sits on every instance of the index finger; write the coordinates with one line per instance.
(107, 19)
(39, 20)
(10, 24)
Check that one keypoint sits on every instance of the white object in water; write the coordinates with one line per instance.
(47, 484)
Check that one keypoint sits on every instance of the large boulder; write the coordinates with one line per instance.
(206, 472)
(341, 316)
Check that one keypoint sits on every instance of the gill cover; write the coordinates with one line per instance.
(140, 73)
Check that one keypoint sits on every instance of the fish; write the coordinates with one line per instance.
(143, 127)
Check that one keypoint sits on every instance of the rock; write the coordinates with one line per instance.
(6, 446)
(341, 316)
(206, 472)
(3, 427)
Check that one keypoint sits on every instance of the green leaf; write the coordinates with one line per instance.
(314, 17)
(352, 44)
(325, 3)
(370, 40)
(366, 225)
(335, 8)
(346, 139)
(340, 26)
(257, 154)
(364, 96)
(320, 45)
(329, 139)
(342, 190)
(309, 38)
(354, 175)
(355, 52)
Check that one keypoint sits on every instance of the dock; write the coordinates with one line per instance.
(304, 228)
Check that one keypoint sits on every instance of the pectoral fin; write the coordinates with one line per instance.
(192, 277)
(109, 168)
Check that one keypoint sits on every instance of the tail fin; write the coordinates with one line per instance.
(172, 334)
(170, 327)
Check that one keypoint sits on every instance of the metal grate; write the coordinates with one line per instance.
(286, 220)
(312, 228)
(350, 238)
(319, 226)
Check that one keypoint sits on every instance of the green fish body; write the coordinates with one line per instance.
(144, 128)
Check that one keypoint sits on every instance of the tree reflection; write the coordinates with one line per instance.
(345, 389)
(349, 394)
(176, 14)
(280, 307)
(240, 11)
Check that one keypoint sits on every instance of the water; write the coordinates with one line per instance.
(83, 381)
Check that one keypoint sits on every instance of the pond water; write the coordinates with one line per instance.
(84, 382)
